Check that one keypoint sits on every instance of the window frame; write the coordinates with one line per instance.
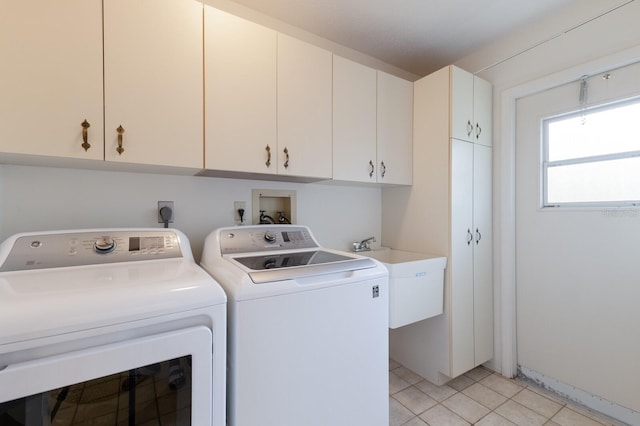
(546, 164)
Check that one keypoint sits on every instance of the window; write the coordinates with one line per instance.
(591, 157)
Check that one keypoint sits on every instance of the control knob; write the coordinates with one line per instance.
(104, 245)
(270, 236)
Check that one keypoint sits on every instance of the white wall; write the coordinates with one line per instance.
(560, 49)
(42, 198)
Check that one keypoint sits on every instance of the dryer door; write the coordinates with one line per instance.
(163, 378)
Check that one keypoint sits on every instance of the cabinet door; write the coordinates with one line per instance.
(482, 111)
(304, 109)
(51, 78)
(153, 81)
(395, 130)
(354, 121)
(462, 123)
(482, 256)
(461, 263)
(240, 94)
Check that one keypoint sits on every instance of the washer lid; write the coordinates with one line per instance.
(279, 266)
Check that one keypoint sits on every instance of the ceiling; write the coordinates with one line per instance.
(418, 36)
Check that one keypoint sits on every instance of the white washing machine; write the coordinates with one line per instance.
(109, 326)
(308, 329)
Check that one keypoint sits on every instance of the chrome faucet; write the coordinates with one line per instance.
(364, 245)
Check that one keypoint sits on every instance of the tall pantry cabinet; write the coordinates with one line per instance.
(447, 211)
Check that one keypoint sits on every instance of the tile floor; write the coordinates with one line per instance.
(479, 397)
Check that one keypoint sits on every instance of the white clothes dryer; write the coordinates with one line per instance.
(308, 329)
(109, 326)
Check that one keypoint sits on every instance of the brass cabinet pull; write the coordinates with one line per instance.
(372, 168)
(120, 131)
(286, 161)
(85, 135)
(383, 169)
(268, 149)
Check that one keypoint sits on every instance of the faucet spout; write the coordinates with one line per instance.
(364, 245)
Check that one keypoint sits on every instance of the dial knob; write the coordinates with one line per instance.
(270, 236)
(104, 245)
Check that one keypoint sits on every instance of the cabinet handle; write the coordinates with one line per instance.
(85, 135)
(469, 236)
(268, 149)
(286, 161)
(372, 168)
(478, 131)
(469, 128)
(478, 236)
(383, 169)
(120, 131)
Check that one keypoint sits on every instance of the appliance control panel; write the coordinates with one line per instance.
(60, 249)
(258, 238)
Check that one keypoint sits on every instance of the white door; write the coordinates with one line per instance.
(482, 111)
(482, 255)
(50, 78)
(354, 121)
(576, 267)
(395, 130)
(462, 123)
(461, 262)
(153, 82)
(304, 109)
(240, 94)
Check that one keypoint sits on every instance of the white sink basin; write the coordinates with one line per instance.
(416, 284)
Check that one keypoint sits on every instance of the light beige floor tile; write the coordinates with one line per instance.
(478, 373)
(396, 384)
(408, 375)
(537, 403)
(551, 423)
(492, 419)
(520, 415)
(485, 396)
(398, 413)
(503, 386)
(568, 417)
(461, 382)
(393, 364)
(548, 394)
(439, 393)
(415, 400)
(466, 407)
(441, 416)
(415, 422)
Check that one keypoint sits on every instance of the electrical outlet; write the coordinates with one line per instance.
(237, 205)
(169, 204)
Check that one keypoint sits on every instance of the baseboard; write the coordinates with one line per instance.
(581, 397)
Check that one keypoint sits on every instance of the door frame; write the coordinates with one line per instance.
(506, 359)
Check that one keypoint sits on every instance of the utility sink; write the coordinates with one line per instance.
(416, 284)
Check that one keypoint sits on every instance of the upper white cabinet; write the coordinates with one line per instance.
(51, 78)
(304, 88)
(395, 130)
(153, 82)
(354, 121)
(55, 72)
(240, 94)
(471, 100)
(372, 125)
